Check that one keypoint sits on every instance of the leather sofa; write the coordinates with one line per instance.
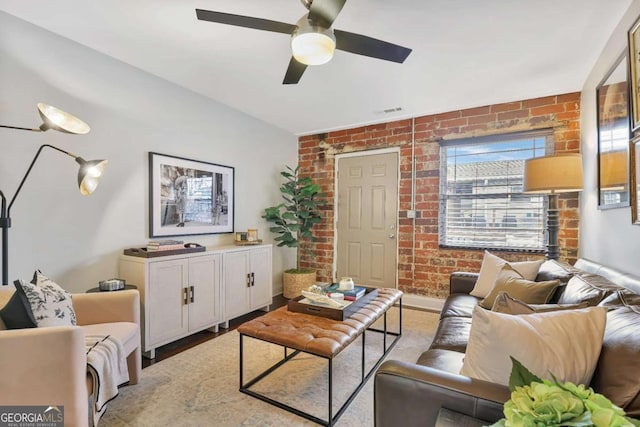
(48, 365)
(412, 394)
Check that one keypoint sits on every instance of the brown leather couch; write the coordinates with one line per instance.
(411, 394)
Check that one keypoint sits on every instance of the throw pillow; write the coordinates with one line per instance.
(511, 281)
(504, 303)
(17, 314)
(591, 288)
(629, 299)
(566, 343)
(51, 305)
(621, 297)
(491, 266)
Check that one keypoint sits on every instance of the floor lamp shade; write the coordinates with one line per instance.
(553, 174)
(54, 118)
(89, 174)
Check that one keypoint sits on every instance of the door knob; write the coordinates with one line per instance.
(392, 236)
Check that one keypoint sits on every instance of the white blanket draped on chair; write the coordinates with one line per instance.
(107, 364)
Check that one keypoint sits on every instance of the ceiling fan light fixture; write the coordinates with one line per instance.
(311, 44)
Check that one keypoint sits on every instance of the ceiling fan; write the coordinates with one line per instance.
(313, 41)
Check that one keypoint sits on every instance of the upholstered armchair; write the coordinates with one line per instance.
(48, 365)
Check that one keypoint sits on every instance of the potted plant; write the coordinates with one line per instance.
(293, 220)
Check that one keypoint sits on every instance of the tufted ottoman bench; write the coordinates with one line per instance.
(321, 337)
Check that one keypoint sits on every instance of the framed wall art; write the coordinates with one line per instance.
(188, 197)
(634, 69)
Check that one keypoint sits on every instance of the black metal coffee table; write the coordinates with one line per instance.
(306, 333)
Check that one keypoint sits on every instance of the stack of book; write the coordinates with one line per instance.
(164, 245)
(352, 295)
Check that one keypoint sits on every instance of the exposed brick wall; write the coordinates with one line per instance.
(426, 272)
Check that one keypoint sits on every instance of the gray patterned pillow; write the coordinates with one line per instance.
(51, 305)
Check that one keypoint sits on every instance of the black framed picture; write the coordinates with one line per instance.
(188, 197)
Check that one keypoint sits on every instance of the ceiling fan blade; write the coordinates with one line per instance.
(245, 21)
(368, 46)
(325, 10)
(294, 72)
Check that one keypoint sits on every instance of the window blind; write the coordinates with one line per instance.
(481, 199)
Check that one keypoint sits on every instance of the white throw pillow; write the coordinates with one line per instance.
(51, 305)
(491, 266)
(565, 343)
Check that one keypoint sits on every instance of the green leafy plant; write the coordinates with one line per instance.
(540, 403)
(298, 214)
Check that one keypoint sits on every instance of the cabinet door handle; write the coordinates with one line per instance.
(248, 280)
(253, 279)
(193, 293)
(185, 297)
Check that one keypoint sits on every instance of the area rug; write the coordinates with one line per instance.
(199, 387)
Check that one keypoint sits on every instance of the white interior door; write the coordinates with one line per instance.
(367, 216)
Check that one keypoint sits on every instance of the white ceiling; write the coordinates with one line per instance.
(466, 53)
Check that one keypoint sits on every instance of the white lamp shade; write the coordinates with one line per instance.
(61, 121)
(553, 174)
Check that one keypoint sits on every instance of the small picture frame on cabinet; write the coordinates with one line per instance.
(252, 234)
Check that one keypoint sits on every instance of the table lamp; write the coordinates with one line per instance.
(552, 175)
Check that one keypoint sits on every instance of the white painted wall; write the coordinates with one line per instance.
(74, 239)
(606, 236)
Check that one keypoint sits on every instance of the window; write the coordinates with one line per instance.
(481, 199)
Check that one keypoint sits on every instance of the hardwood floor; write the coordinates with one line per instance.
(171, 349)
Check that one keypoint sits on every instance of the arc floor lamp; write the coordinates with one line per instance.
(551, 175)
(88, 174)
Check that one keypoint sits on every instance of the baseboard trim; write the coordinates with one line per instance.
(422, 302)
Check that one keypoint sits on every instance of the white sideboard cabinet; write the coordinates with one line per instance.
(247, 277)
(184, 294)
(179, 294)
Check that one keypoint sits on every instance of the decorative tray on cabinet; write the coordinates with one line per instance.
(144, 253)
(330, 312)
